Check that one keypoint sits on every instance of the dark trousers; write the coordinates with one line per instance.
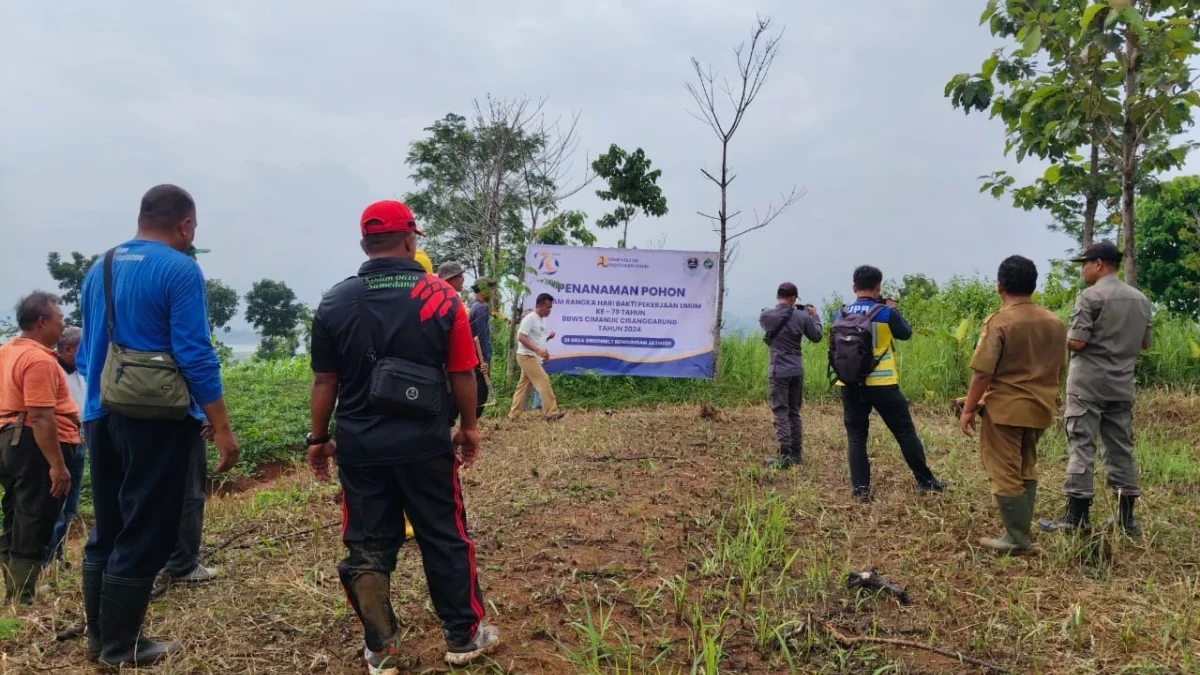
(186, 556)
(138, 472)
(76, 461)
(428, 492)
(889, 402)
(481, 395)
(786, 397)
(30, 511)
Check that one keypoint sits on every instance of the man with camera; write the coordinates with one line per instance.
(388, 347)
(784, 329)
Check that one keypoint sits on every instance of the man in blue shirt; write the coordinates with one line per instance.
(880, 391)
(480, 316)
(138, 466)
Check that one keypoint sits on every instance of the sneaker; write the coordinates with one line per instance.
(934, 486)
(486, 640)
(862, 493)
(386, 662)
(198, 576)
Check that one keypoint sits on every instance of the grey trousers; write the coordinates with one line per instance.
(786, 397)
(186, 556)
(1090, 423)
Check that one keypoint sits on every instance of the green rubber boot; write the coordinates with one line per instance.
(1031, 495)
(1017, 519)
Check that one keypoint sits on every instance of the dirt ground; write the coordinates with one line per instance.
(655, 541)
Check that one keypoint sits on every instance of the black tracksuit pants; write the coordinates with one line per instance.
(429, 493)
(889, 402)
(138, 471)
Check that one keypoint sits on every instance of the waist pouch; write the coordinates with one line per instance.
(408, 389)
(143, 385)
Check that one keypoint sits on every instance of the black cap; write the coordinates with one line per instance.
(1105, 251)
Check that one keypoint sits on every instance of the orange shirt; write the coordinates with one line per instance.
(30, 377)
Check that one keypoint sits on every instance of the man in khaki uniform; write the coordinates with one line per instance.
(1018, 366)
(1110, 326)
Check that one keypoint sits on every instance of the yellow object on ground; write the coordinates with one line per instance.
(423, 258)
(408, 531)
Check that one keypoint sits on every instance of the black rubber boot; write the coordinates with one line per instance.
(786, 459)
(123, 604)
(1031, 495)
(1125, 518)
(21, 580)
(93, 582)
(1076, 517)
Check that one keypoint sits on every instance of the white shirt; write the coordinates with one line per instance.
(533, 326)
(78, 388)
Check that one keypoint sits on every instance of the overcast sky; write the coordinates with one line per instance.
(285, 119)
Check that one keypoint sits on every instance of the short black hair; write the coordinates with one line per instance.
(787, 290)
(165, 205)
(384, 241)
(867, 278)
(544, 298)
(34, 307)
(1018, 275)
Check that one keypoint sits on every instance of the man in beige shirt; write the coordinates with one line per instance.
(1017, 367)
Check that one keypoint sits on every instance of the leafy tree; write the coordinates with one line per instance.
(1169, 245)
(70, 276)
(917, 286)
(222, 305)
(567, 228)
(753, 66)
(632, 185)
(1110, 77)
(272, 309)
(8, 329)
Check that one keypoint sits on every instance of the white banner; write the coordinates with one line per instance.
(619, 311)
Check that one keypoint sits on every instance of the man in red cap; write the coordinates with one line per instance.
(384, 343)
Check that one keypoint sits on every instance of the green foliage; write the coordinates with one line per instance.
(10, 626)
(1169, 245)
(567, 228)
(917, 286)
(8, 329)
(272, 309)
(222, 304)
(268, 409)
(632, 184)
(1110, 81)
(70, 276)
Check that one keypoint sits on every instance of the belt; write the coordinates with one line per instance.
(18, 424)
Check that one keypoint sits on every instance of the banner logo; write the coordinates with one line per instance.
(602, 261)
(547, 263)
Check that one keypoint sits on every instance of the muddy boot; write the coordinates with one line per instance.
(1017, 519)
(21, 580)
(1031, 495)
(123, 604)
(1076, 517)
(1125, 519)
(93, 582)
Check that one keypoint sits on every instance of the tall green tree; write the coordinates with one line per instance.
(1169, 245)
(1110, 79)
(222, 304)
(70, 276)
(632, 184)
(272, 309)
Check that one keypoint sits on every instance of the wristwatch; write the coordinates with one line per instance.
(311, 440)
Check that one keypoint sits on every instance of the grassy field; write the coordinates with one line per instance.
(653, 541)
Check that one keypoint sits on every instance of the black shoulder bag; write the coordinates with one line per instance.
(399, 386)
(770, 335)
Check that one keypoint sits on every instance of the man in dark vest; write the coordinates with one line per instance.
(785, 326)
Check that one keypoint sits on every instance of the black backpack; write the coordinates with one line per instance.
(852, 347)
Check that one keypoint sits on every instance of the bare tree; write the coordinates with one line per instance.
(754, 63)
(545, 181)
